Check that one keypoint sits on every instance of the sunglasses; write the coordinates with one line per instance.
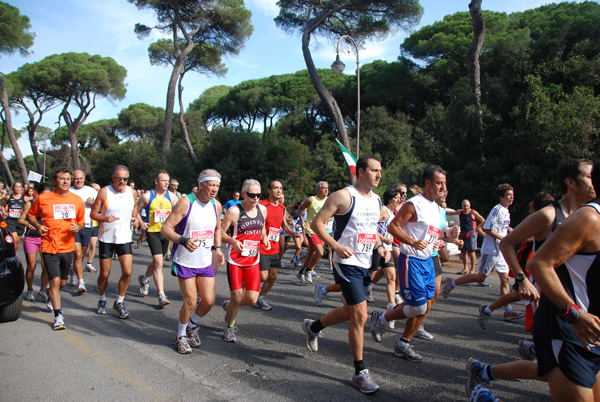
(122, 179)
(402, 192)
(253, 195)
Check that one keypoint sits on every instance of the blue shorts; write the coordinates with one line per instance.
(353, 280)
(83, 237)
(417, 279)
(577, 364)
(185, 273)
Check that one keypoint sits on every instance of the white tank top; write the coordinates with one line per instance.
(357, 228)
(120, 205)
(199, 224)
(427, 227)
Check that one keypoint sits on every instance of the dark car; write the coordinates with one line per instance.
(12, 277)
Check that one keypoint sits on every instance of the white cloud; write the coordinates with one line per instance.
(268, 7)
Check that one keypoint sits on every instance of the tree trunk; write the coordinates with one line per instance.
(74, 149)
(325, 95)
(184, 131)
(31, 129)
(35, 151)
(11, 133)
(473, 67)
(7, 176)
(168, 127)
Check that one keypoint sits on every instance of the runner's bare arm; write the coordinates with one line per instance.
(406, 214)
(231, 217)
(218, 236)
(96, 213)
(337, 203)
(301, 208)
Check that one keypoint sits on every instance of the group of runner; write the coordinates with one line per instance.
(366, 234)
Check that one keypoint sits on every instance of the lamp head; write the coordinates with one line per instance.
(337, 66)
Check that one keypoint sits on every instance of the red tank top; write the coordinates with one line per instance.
(275, 215)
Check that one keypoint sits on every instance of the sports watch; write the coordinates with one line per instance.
(569, 313)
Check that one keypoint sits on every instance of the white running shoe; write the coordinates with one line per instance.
(229, 335)
(421, 333)
(406, 351)
(312, 342)
(363, 382)
(59, 322)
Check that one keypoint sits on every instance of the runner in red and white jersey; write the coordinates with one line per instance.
(248, 221)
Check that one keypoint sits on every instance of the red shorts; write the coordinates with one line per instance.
(250, 276)
(314, 240)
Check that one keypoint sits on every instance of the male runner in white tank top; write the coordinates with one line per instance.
(417, 227)
(194, 227)
(356, 210)
(115, 209)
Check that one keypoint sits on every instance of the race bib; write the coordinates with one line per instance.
(14, 213)
(64, 211)
(433, 233)
(366, 242)
(250, 248)
(329, 225)
(274, 234)
(161, 215)
(205, 238)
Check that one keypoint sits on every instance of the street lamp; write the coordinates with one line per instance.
(338, 67)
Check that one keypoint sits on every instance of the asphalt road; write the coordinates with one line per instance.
(106, 358)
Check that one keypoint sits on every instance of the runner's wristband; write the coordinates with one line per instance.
(183, 240)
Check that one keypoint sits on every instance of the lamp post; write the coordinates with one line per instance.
(338, 67)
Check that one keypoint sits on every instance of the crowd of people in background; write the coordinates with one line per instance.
(400, 238)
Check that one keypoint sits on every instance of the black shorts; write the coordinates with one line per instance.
(354, 282)
(577, 364)
(157, 243)
(107, 250)
(268, 261)
(95, 231)
(58, 265)
(83, 237)
(379, 262)
(13, 226)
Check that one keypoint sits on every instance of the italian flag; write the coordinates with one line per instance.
(350, 159)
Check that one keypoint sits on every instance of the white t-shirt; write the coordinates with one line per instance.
(84, 193)
(498, 220)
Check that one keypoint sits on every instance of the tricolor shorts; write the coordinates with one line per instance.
(417, 279)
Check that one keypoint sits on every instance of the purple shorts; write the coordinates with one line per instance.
(185, 273)
(32, 244)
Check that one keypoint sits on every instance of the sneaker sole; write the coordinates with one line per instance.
(59, 328)
(81, 290)
(364, 391)
(406, 357)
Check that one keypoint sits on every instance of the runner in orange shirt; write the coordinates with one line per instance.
(63, 215)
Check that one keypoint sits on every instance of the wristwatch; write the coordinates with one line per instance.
(520, 277)
(569, 313)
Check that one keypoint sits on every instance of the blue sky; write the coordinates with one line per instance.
(106, 28)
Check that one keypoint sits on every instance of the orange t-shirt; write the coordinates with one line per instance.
(58, 213)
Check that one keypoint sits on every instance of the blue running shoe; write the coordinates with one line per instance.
(484, 284)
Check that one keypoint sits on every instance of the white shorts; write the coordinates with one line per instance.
(489, 262)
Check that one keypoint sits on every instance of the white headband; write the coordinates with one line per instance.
(209, 178)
